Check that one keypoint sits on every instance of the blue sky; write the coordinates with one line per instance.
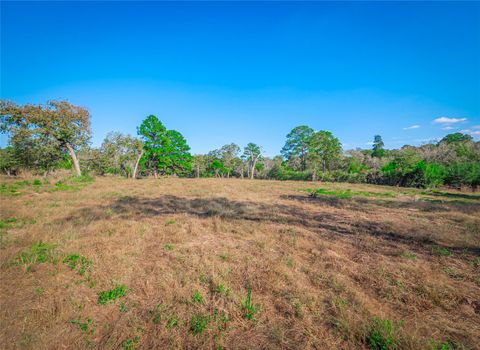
(222, 72)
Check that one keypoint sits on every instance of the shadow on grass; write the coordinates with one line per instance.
(454, 195)
(322, 222)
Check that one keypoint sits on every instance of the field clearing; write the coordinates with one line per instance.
(237, 264)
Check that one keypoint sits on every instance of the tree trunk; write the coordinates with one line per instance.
(252, 173)
(135, 169)
(76, 163)
(314, 175)
(197, 170)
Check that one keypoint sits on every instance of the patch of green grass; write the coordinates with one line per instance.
(197, 297)
(442, 251)
(40, 252)
(37, 182)
(199, 323)
(445, 345)
(112, 294)
(172, 321)
(39, 291)
(408, 255)
(250, 308)
(168, 246)
(130, 344)
(62, 186)
(85, 327)
(170, 222)
(346, 194)
(123, 307)
(7, 223)
(221, 289)
(79, 263)
(384, 335)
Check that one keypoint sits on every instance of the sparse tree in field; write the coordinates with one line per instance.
(378, 147)
(297, 144)
(164, 151)
(122, 153)
(229, 155)
(252, 153)
(324, 148)
(48, 130)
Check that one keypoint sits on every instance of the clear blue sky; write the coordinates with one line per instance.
(241, 72)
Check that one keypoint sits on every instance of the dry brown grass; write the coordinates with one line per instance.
(320, 270)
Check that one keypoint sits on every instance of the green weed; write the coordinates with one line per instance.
(112, 294)
(40, 252)
(199, 323)
(437, 250)
(130, 344)
(168, 246)
(78, 262)
(383, 335)
(85, 327)
(197, 297)
(250, 308)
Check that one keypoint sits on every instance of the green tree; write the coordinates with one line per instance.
(324, 148)
(377, 148)
(297, 144)
(164, 151)
(154, 136)
(47, 131)
(252, 153)
(229, 157)
(217, 167)
(456, 137)
(176, 155)
(121, 153)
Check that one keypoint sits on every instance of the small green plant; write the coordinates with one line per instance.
(112, 294)
(222, 289)
(7, 223)
(169, 222)
(250, 308)
(130, 344)
(447, 345)
(172, 321)
(78, 262)
(157, 313)
(199, 323)
(442, 251)
(383, 335)
(40, 252)
(40, 291)
(37, 182)
(123, 307)
(168, 246)
(223, 257)
(86, 327)
(197, 297)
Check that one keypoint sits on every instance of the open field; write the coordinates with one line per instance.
(237, 264)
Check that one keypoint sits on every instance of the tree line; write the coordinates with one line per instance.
(57, 135)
